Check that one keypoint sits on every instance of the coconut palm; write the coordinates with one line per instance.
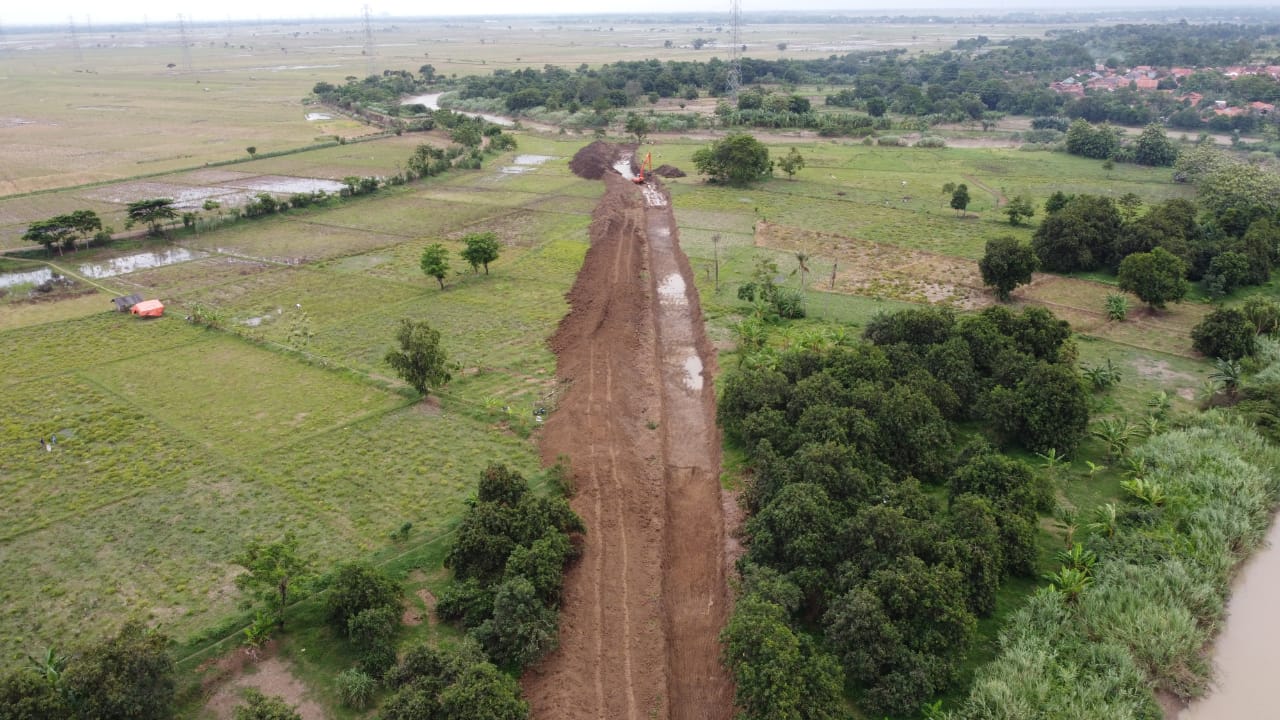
(1226, 376)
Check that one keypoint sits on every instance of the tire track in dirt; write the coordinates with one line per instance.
(644, 605)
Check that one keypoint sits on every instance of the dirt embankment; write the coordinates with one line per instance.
(644, 605)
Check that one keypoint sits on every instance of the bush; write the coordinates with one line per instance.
(356, 688)
(1225, 333)
(357, 588)
(262, 707)
(931, 141)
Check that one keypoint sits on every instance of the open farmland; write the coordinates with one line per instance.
(176, 444)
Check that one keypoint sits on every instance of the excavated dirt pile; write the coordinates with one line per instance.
(596, 159)
(669, 171)
(644, 605)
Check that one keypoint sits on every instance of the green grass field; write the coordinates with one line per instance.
(176, 444)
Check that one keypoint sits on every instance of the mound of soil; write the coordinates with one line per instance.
(594, 160)
(669, 171)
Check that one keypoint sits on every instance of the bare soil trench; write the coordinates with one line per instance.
(644, 605)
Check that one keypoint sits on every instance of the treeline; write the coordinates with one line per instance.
(874, 516)
(1230, 240)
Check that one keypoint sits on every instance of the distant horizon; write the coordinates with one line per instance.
(86, 14)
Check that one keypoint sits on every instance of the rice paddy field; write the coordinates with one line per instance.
(176, 444)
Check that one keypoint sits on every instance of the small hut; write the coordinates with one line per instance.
(148, 308)
(124, 303)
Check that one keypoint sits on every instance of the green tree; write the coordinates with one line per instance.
(435, 262)
(1154, 147)
(1157, 277)
(252, 150)
(791, 163)
(1018, 208)
(153, 212)
(262, 707)
(420, 361)
(356, 588)
(948, 189)
(1097, 143)
(1264, 313)
(273, 570)
(738, 159)
(1006, 264)
(1082, 235)
(780, 674)
(128, 676)
(482, 692)
(522, 628)
(467, 134)
(638, 126)
(1225, 333)
(960, 198)
(481, 249)
(25, 695)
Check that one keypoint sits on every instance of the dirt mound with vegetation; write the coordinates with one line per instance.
(596, 159)
(644, 605)
(669, 171)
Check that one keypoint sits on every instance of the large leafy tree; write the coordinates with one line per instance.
(435, 262)
(780, 674)
(960, 198)
(1154, 148)
(738, 159)
(274, 569)
(63, 231)
(1225, 333)
(128, 676)
(1082, 235)
(152, 212)
(1006, 264)
(359, 587)
(25, 695)
(1088, 141)
(481, 249)
(1157, 277)
(420, 361)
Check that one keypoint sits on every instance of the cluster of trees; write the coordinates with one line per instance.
(63, 231)
(127, 676)
(508, 559)
(455, 683)
(1232, 334)
(1233, 243)
(479, 248)
(1152, 147)
(843, 534)
(381, 91)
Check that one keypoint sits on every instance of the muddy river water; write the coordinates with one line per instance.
(432, 102)
(1247, 652)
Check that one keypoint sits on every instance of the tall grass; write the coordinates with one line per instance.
(1158, 594)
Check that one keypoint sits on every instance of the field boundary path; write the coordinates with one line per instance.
(644, 605)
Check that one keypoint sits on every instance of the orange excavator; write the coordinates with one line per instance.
(641, 177)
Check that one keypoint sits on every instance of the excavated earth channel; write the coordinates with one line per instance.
(645, 603)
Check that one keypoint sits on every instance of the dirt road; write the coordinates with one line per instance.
(644, 605)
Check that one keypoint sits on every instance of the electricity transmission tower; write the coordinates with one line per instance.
(368, 44)
(75, 39)
(735, 55)
(186, 47)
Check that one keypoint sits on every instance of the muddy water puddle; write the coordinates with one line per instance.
(432, 102)
(286, 184)
(139, 261)
(314, 116)
(1247, 652)
(525, 163)
(34, 277)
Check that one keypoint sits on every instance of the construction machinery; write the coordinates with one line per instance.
(646, 170)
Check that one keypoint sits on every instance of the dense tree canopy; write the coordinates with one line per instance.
(1157, 277)
(1006, 264)
(738, 159)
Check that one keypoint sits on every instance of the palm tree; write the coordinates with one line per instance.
(1227, 375)
(1070, 582)
(1106, 520)
(1116, 433)
(802, 259)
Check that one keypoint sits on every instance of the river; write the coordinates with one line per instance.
(1247, 651)
(432, 101)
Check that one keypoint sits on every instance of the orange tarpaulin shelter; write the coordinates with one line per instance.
(148, 308)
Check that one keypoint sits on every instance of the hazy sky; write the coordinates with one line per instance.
(18, 12)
